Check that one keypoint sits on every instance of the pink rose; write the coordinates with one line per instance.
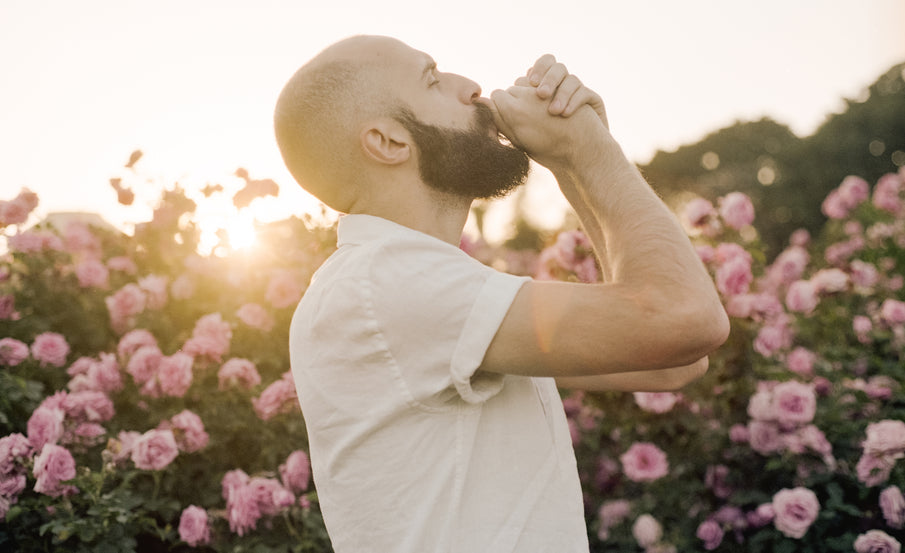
(231, 480)
(11, 485)
(174, 373)
(716, 478)
(80, 240)
(255, 316)
(764, 437)
(53, 466)
(91, 273)
(877, 541)
(802, 297)
(144, 363)
(828, 281)
(16, 211)
(610, 514)
(8, 308)
(644, 462)
(15, 449)
(271, 496)
(132, 340)
(210, 337)
(104, 374)
(194, 528)
(734, 276)
(154, 450)
(738, 433)
(795, 403)
(854, 191)
(814, 439)
(12, 352)
(789, 265)
(736, 210)
(155, 288)
(296, 471)
(279, 397)
(834, 205)
(892, 503)
(873, 471)
(710, 533)
(655, 402)
(761, 516)
(242, 509)
(647, 530)
(124, 305)
(892, 312)
(862, 326)
(697, 212)
(50, 348)
(188, 429)
(284, 290)
(886, 193)
(864, 275)
(795, 510)
(238, 372)
(801, 361)
(88, 406)
(771, 339)
(45, 426)
(885, 438)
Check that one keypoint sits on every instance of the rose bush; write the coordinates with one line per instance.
(146, 404)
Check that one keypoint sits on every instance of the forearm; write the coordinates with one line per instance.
(638, 239)
(659, 380)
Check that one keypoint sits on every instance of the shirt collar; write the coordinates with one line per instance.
(360, 228)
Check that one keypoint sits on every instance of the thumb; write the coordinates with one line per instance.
(502, 106)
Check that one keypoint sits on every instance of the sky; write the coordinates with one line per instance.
(192, 83)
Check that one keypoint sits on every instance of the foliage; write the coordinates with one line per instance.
(784, 174)
(145, 406)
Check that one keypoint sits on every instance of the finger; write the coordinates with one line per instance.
(551, 80)
(540, 68)
(567, 89)
(502, 105)
(583, 96)
(523, 81)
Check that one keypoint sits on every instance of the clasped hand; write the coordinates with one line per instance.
(548, 112)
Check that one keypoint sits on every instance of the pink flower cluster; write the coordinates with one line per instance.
(248, 499)
(571, 254)
(883, 446)
(279, 397)
(736, 211)
(188, 431)
(781, 416)
(210, 338)
(255, 316)
(17, 210)
(15, 453)
(841, 201)
(125, 305)
(50, 349)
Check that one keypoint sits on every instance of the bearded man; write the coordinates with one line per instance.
(428, 381)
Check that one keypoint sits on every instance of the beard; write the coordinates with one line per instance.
(466, 163)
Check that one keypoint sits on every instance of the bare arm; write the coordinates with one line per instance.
(658, 310)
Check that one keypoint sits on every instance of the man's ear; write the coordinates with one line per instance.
(386, 141)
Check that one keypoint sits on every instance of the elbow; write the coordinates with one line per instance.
(699, 327)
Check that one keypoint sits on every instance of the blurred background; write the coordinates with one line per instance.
(776, 99)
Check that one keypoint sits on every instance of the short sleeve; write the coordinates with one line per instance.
(438, 310)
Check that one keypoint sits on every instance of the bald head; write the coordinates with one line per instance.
(321, 108)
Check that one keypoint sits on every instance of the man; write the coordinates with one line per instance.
(427, 379)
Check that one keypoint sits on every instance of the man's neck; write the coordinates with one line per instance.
(439, 215)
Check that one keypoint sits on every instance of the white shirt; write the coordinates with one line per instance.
(412, 450)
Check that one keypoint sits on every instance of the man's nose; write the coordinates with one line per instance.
(468, 90)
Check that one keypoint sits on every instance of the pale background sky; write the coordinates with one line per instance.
(192, 83)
